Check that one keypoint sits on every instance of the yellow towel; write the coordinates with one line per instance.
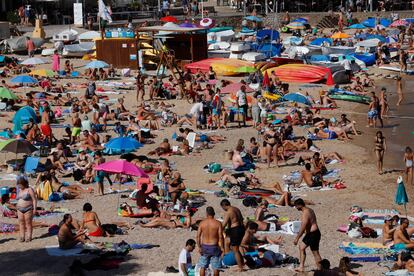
(44, 190)
(365, 244)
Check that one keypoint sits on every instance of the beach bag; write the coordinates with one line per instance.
(368, 232)
(77, 175)
(291, 227)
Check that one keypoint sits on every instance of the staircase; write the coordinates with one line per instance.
(328, 22)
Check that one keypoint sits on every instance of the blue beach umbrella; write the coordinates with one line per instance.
(121, 145)
(401, 197)
(24, 79)
(253, 18)
(297, 98)
(97, 64)
(301, 20)
(357, 26)
(320, 41)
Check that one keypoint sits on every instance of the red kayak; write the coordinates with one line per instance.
(304, 73)
(282, 61)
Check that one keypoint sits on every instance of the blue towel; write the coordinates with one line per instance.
(142, 246)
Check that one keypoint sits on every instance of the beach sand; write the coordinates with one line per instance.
(364, 188)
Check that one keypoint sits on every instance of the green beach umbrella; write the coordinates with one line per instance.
(401, 197)
(7, 94)
(245, 69)
(17, 146)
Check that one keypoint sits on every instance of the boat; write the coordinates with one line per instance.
(351, 98)
(344, 50)
(283, 60)
(368, 59)
(304, 73)
(239, 47)
(78, 50)
(336, 59)
(220, 36)
(367, 46)
(293, 52)
(292, 40)
(67, 36)
(253, 56)
(18, 44)
(89, 36)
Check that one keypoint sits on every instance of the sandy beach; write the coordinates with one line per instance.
(364, 187)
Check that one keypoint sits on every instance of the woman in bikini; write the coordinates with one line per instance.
(273, 145)
(408, 160)
(91, 222)
(379, 149)
(178, 221)
(26, 207)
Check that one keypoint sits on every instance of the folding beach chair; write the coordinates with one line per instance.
(32, 166)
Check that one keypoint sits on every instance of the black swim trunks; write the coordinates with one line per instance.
(236, 235)
(312, 240)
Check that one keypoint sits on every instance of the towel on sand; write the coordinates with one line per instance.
(54, 250)
(367, 248)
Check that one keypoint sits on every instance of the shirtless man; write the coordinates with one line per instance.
(312, 236)
(45, 124)
(233, 219)
(260, 218)
(388, 230)
(210, 242)
(164, 148)
(309, 177)
(251, 243)
(90, 143)
(402, 237)
(65, 236)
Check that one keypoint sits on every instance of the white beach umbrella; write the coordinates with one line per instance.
(33, 61)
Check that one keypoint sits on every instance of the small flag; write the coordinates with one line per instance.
(104, 11)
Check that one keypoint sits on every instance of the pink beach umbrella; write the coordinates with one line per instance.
(122, 167)
(399, 23)
(234, 87)
(207, 23)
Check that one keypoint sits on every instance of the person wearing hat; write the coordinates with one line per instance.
(388, 230)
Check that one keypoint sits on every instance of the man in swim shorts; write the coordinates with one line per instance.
(312, 237)
(402, 237)
(45, 124)
(210, 241)
(233, 219)
(260, 218)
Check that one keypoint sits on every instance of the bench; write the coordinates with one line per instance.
(209, 9)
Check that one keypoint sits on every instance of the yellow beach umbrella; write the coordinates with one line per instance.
(340, 35)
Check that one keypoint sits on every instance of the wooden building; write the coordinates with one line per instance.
(120, 52)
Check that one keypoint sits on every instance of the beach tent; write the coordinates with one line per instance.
(320, 41)
(372, 22)
(22, 117)
(267, 34)
(357, 26)
(270, 50)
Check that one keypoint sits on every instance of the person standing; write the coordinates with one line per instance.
(348, 68)
(241, 103)
(312, 238)
(185, 263)
(408, 160)
(140, 87)
(30, 47)
(55, 62)
(233, 219)
(45, 124)
(380, 148)
(216, 105)
(26, 208)
(210, 242)
(399, 90)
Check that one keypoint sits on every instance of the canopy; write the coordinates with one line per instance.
(122, 167)
(7, 94)
(22, 117)
(24, 79)
(267, 34)
(399, 23)
(372, 22)
(207, 23)
(33, 61)
(357, 26)
(297, 98)
(320, 41)
(169, 19)
(301, 20)
(340, 35)
(253, 18)
(187, 25)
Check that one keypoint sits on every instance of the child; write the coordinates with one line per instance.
(184, 260)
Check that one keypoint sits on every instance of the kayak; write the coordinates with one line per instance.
(302, 73)
(351, 98)
(219, 29)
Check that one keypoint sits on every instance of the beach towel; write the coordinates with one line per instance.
(143, 246)
(367, 248)
(54, 250)
(289, 228)
(400, 272)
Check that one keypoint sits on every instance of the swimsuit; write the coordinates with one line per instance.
(236, 235)
(312, 239)
(26, 209)
(271, 227)
(97, 233)
(46, 130)
(409, 163)
(210, 255)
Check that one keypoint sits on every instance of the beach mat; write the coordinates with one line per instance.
(54, 250)
(367, 248)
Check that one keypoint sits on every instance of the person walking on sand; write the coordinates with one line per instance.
(399, 90)
(140, 87)
(312, 237)
(56, 62)
(26, 208)
(408, 160)
(233, 219)
(210, 242)
(380, 147)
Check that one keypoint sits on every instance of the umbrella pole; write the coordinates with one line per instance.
(405, 207)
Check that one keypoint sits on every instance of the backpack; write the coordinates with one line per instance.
(214, 168)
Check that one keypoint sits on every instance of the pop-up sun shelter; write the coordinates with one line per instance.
(22, 117)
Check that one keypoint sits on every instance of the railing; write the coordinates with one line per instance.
(125, 15)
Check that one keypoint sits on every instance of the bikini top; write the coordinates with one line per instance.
(26, 197)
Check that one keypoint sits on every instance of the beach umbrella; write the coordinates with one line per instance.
(321, 41)
(301, 20)
(123, 144)
(17, 146)
(207, 22)
(122, 167)
(357, 26)
(296, 26)
(169, 18)
(340, 35)
(234, 87)
(297, 98)
(7, 94)
(24, 79)
(97, 64)
(401, 197)
(266, 80)
(245, 69)
(33, 61)
(42, 73)
(399, 23)
(253, 18)
(187, 25)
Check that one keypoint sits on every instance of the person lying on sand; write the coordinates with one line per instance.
(266, 223)
(251, 243)
(405, 261)
(127, 210)
(163, 148)
(178, 222)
